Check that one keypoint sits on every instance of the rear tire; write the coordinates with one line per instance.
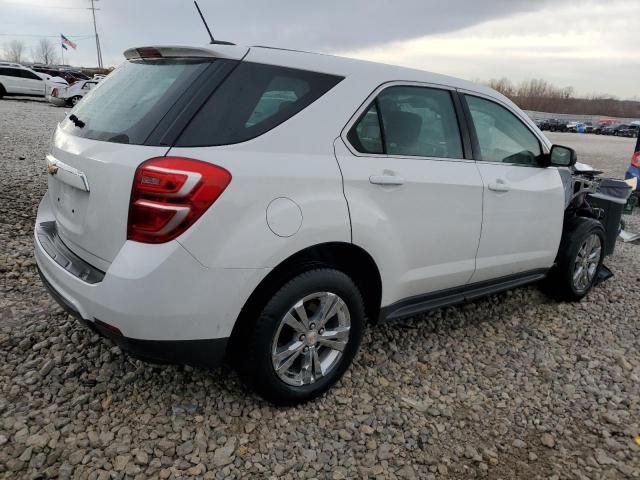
(579, 259)
(288, 356)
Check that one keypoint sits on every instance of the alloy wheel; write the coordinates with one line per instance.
(311, 338)
(586, 263)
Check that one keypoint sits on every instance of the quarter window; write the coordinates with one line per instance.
(365, 136)
(415, 121)
(502, 137)
(254, 99)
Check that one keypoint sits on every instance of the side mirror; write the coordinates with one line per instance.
(561, 156)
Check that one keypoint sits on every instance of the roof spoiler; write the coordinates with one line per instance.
(232, 52)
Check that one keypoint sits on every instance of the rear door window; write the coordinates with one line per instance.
(254, 99)
(9, 72)
(415, 121)
(29, 75)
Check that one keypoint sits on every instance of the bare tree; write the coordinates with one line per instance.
(14, 51)
(503, 85)
(540, 95)
(45, 52)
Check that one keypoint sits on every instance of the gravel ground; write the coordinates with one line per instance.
(513, 386)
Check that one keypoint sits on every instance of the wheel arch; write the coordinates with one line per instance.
(346, 257)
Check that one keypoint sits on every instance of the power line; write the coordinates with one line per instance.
(80, 37)
(44, 6)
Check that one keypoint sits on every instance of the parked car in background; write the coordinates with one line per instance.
(159, 193)
(541, 124)
(16, 79)
(555, 125)
(609, 129)
(621, 130)
(70, 75)
(627, 130)
(71, 95)
(574, 127)
(600, 127)
(588, 127)
(52, 83)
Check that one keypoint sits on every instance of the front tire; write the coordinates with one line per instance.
(305, 337)
(579, 259)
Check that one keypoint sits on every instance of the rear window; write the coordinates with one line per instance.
(254, 99)
(132, 100)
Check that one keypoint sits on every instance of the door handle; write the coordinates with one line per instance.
(386, 180)
(499, 186)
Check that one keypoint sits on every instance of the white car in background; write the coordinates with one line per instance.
(69, 96)
(18, 80)
(52, 83)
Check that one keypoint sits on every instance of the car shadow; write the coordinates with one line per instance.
(25, 99)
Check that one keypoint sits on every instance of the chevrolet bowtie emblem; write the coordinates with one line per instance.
(52, 168)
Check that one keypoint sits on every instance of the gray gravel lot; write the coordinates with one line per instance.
(513, 386)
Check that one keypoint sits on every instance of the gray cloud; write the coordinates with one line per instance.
(347, 24)
(329, 25)
(520, 38)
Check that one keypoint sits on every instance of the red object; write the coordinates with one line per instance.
(149, 52)
(54, 92)
(169, 194)
(635, 158)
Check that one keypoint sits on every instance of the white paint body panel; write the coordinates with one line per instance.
(24, 86)
(521, 228)
(94, 224)
(423, 235)
(155, 292)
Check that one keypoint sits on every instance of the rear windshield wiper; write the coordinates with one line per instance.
(76, 121)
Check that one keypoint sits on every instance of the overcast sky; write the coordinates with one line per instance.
(591, 45)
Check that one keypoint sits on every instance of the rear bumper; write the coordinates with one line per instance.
(155, 301)
(208, 353)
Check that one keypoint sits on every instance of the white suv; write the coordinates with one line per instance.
(18, 80)
(263, 206)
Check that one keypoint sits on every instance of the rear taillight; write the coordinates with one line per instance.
(169, 194)
(635, 159)
(149, 52)
(54, 92)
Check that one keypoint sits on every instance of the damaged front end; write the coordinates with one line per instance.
(587, 194)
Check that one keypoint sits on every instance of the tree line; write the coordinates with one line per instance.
(45, 51)
(541, 96)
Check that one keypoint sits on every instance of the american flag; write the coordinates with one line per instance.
(65, 41)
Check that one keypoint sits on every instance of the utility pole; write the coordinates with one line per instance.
(95, 30)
